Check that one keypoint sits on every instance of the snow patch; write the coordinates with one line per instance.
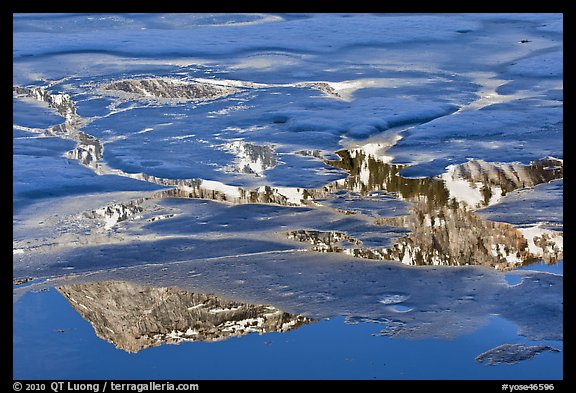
(533, 233)
(232, 191)
(293, 195)
(462, 190)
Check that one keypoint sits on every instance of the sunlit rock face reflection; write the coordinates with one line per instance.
(479, 183)
(250, 158)
(88, 149)
(444, 229)
(323, 241)
(116, 213)
(166, 88)
(212, 190)
(62, 103)
(134, 317)
(324, 87)
(512, 353)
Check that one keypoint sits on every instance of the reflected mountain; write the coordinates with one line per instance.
(323, 241)
(512, 353)
(480, 184)
(88, 149)
(427, 302)
(250, 158)
(115, 213)
(134, 317)
(475, 183)
(323, 87)
(167, 88)
(212, 190)
(62, 103)
(444, 229)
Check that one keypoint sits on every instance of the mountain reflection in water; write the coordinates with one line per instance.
(444, 229)
(134, 317)
(250, 158)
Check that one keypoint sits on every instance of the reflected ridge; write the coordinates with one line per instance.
(134, 317)
(444, 229)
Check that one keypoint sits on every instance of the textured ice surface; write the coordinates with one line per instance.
(541, 204)
(211, 165)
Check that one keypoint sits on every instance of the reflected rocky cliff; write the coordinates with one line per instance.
(250, 158)
(115, 213)
(323, 241)
(62, 103)
(88, 149)
(475, 183)
(444, 229)
(167, 88)
(134, 317)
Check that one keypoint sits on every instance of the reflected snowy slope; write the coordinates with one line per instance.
(444, 229)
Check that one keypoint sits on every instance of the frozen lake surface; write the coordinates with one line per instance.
(387, 188)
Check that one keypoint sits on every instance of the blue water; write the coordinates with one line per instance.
(557, 268)
(514, 278)
(52, 341)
